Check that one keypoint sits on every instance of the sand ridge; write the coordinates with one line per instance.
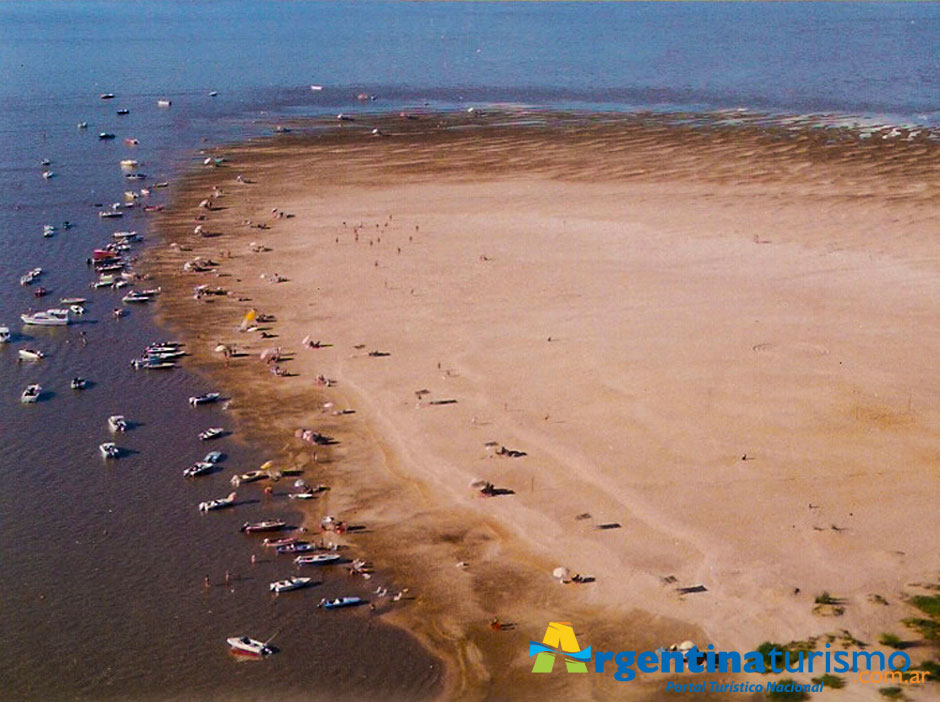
(638, 306)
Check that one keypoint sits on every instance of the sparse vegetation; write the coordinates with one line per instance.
(892, 641)
(878, 599)
(829, 680)
(826, 599)
(928, 628)
(892, 693)
(929, 605)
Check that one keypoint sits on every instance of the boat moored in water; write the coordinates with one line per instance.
(296, 547)
(288, 584)
(4, 335)
(30, 355)
(221, 503)
(205, 399)
(269, 525)
(244, 646)
(197, 469)
(117, 422)
(318, 559)
(211, 433)
(78, 383)
(49, 318)
(31, 393)
(338, 602)
(109, 450)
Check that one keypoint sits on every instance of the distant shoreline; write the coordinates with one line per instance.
(488, 248)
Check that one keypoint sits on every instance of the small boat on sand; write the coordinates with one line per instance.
(296, 547)
(269, 525)
(221, 503)
(31, 355)
(293, 583)
(49, 318)
(211, 433)
(109, 450)
(251, 648)
(338, 602)
(318, 559)
(198, 468)
(78, 383)
(117, 422)
(205, 399)
(31, 393)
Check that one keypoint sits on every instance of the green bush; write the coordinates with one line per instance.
(892, 693)
(891, 640)
(830, 680)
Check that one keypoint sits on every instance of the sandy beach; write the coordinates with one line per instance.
(713, 344)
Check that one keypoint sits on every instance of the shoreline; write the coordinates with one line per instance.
(372, 467)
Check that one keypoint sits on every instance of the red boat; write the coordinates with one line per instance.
(103, 254)
(272, 525)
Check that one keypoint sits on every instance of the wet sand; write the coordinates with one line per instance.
(713, 343)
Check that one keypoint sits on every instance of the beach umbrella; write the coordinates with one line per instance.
(561, 573)
(686, 646)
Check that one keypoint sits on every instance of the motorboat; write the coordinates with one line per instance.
(104, 281)
(40, 292)
(30, 354)
(338, 602)
(213, 457)
(110, 214)
(49, 318)
(131, 141)
(77, 310)
(205, 399)
(164, 103)
(135, 176)
(129, 163)
(318, 559)
(293, 583)
(250, 477)
(221, 503)
(82, 125)
(123, 111)
(214, 93)
(31, 393)
(211, 433)
(107, 96)
(117, 422)
(244, 646)
(73, 300)
(109, 450)
(269, 525)
(296, 547)
(164, 355)
(78, 383)
(152, 364)
(125, 236)
(197, 469)
(49, 230)
(48, 174)
(306, 495)
(136, 296)
(274, 543)
(105, 136)
(162, 184)
(4, 335)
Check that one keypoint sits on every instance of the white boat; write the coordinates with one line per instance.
(317, 560)
(136, 296)
(213, 93)
(212, 433)
(78, 383)
(205, 399)
(244, 646)
(150, 363)
(4, 335)
(48, 174)
(107, 96)
(31, 354)
(107, 214)
(31, 393)
(77, 310)
(213, 457)
(104, 281)
(221, 503)
(82, 125)
(129, 163)
(125, 236)
(73, 300)
(49, 318)
(197, 469)
(338, 602)
(270, 525)
(117, 422)
(109, 450)
(164, 103)
(308, 495)
(293, 583)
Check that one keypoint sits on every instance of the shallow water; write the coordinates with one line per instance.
(102, 565)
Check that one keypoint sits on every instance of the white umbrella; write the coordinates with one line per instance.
(561, 573)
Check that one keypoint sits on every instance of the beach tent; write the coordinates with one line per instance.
(561, 573)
